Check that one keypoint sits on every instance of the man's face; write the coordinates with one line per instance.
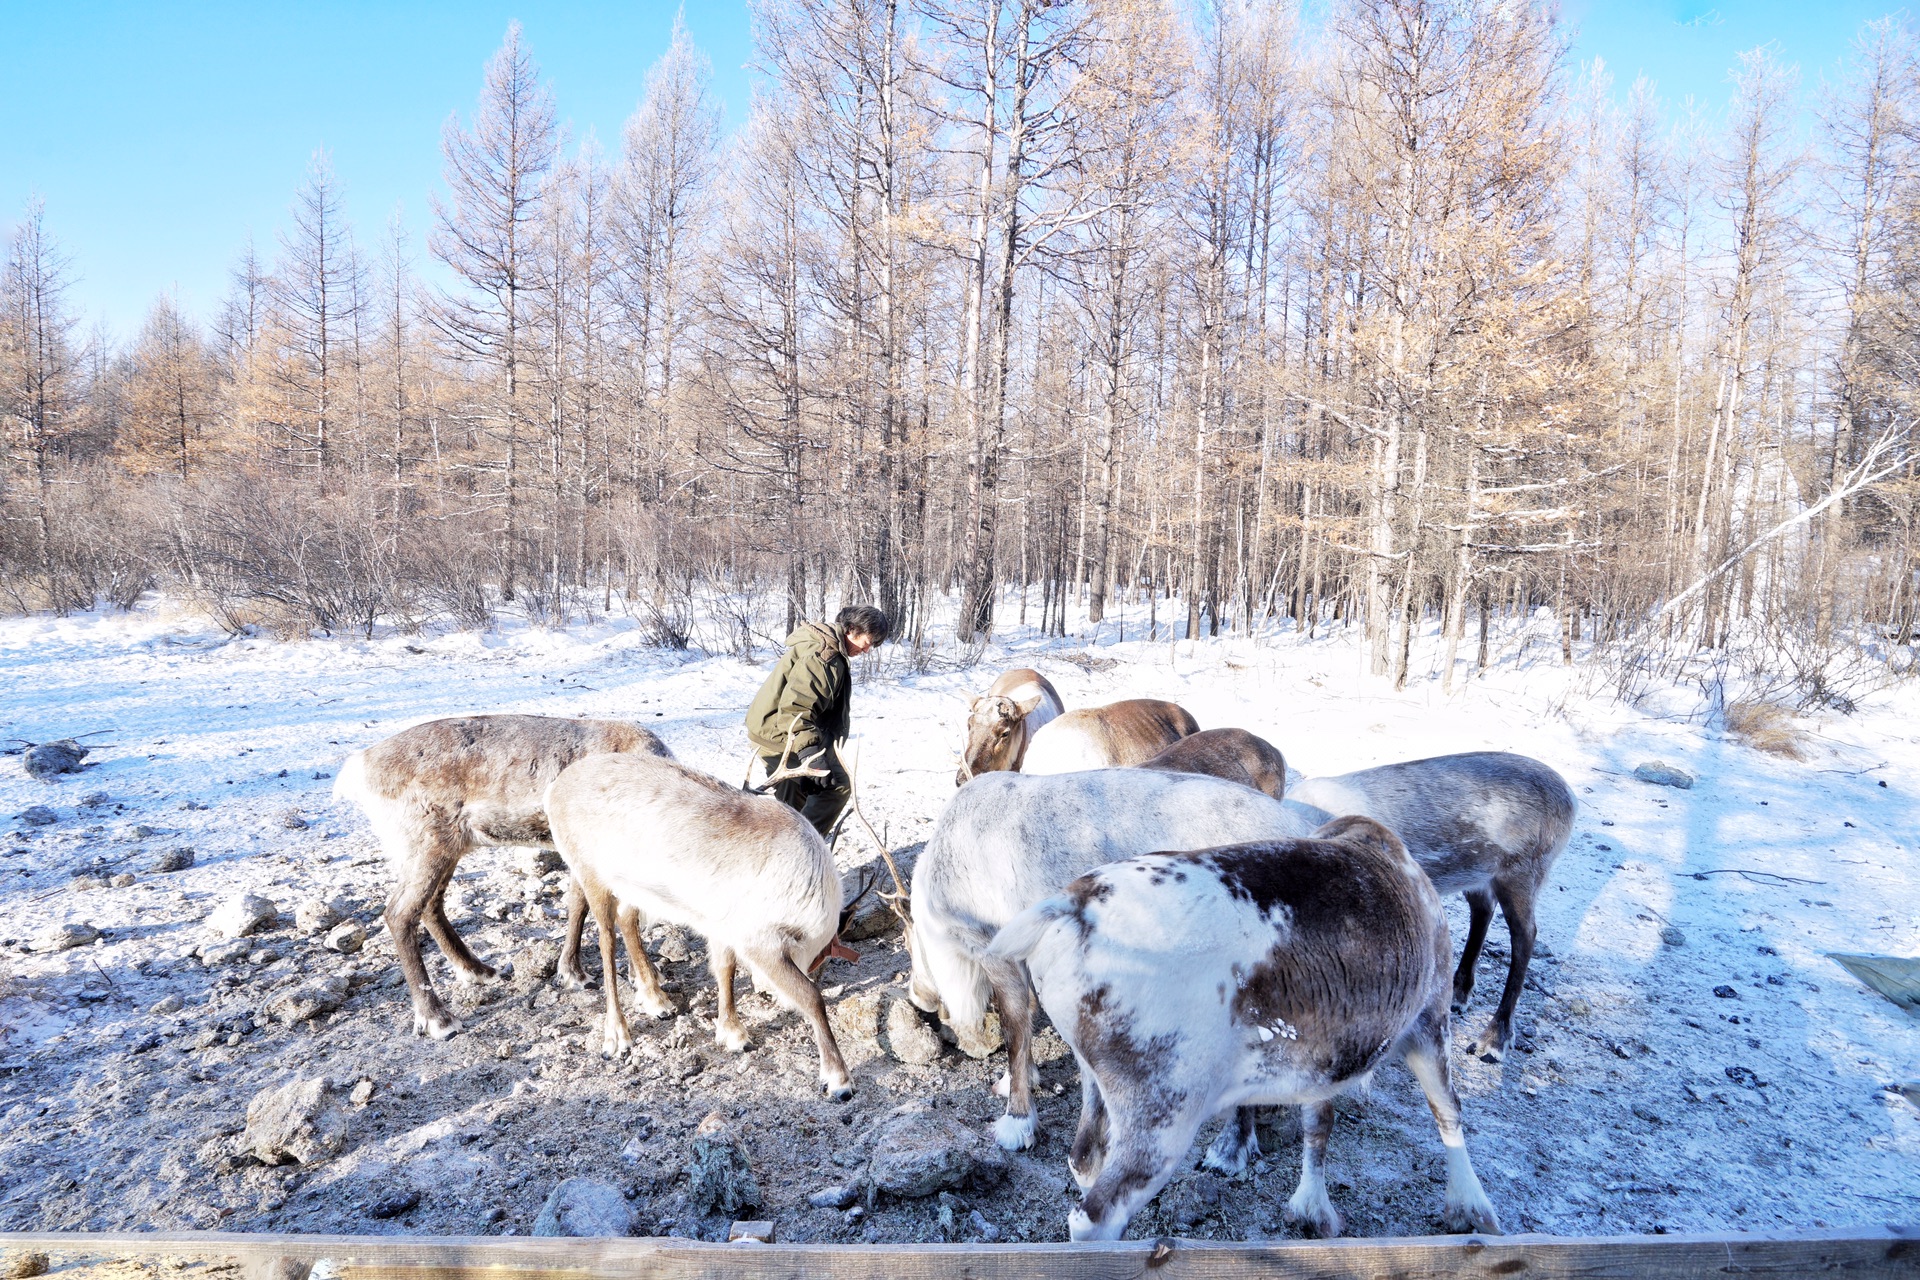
(858, 642)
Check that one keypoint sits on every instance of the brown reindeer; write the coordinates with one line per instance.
(1002, 721)
(1118, 735)
(439, 790)
(1233, 754)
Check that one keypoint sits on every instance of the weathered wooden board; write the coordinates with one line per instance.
(1892, 1253)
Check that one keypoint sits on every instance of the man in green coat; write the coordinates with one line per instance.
(809, 694)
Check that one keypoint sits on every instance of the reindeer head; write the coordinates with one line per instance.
(996, 734)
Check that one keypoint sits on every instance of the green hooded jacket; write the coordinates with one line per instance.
(811, 685)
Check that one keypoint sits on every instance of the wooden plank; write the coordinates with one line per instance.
(1892, 1253)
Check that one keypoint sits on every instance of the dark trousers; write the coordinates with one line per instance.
(819, 800)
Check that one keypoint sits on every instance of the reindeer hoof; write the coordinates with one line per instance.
(1081, 1227)
(441, 1026)
(1316, 1213)
(1472, 1218)
(732, 1039)
(841, 1091)
(1490, 1045)
(616, 1042)
(477, 977)
(1016, 1133)
(1228, 1155)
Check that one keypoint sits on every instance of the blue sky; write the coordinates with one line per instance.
(161, 135)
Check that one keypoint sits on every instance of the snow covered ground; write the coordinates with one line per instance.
(1647, 1102)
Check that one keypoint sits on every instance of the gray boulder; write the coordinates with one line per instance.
(243, 915)
(65, 937)
(47, 760)
(719, 1178)
(38, 816)
(345, 938)
(918, 1151)
(308, 1000)
(315, 915)
(583, 1207)
(1662, 774)
(178, 859)
(297, 1123)
(908, 1035)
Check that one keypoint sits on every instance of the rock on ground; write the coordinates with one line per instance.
(583, 1207)
(65, 937)
(309, 1000)
(243, 915)
(346, 938)
(315, 915)
(47, 760)
(918, 1151)
(908, 1035)
(173, 860)
(297, 1122)
(1662, 774)
(719, 1178)
(38, 816)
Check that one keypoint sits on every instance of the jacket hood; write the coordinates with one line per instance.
(824, 634)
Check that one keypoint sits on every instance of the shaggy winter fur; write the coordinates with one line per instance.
(437, 790)
(1116, 735)
(745, 871)
(1002, 721)
(1488, 824)
(1278, 972)
(1233, 754)
(1006, 841)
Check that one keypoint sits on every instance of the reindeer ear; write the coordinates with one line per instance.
(1027, 706)
(973, 702)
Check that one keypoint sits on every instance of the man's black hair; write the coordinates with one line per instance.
(865, 619)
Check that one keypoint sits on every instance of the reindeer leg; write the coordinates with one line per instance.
(467, 967)
(647, 991)
(1014, 998)
(1425, 1050)
(798, 990)
(425, 867)
(1479, 916)
(1238, 1143)
(1089, 1151)
(727, 1029)
(1310, 1203)
(573, 976)
(1141, 1156)
(1516, 904)
(617, 1039)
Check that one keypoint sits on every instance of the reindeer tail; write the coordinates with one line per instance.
(1017, 939)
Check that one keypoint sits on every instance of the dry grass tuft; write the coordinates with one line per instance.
(1766, 726)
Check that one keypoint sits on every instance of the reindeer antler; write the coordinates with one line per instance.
(898, 900)
(806, 768)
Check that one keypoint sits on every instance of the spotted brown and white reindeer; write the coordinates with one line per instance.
(1233, 754)
(436, 791)
(1007, 840)
(1489, 824)
(1002, 721)
(1118, 735)
(1275, 972)
(745, 871)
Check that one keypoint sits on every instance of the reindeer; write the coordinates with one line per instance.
(436, 791)
(654, 838)
(1006, 841)
(1487, 823)
(1274, 972)
(1002, 721)
(1233, 754)
(1114, 736)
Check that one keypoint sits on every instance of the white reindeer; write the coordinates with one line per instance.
(1006, 841)
(1116, 735)
(745, 871)
(1276, 972)
(436, 791)
(1488, 824)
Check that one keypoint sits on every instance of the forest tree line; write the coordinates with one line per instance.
(993, 308)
